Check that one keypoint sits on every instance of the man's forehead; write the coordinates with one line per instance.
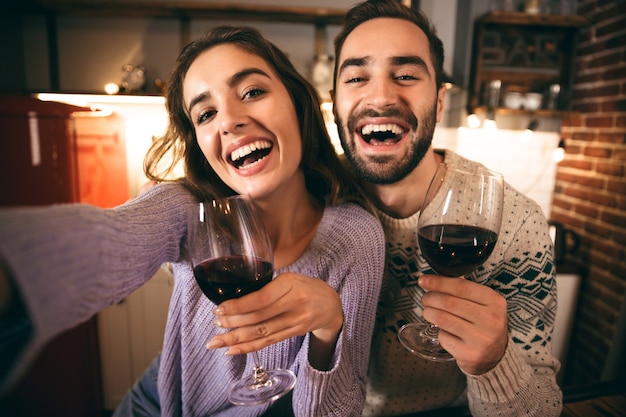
(385, 38)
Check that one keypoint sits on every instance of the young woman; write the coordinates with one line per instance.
(242, 120)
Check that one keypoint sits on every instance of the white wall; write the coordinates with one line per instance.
(524, 158)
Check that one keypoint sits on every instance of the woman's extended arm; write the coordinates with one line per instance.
(67, 262)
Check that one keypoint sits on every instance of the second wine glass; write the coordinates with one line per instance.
(232, 256)
(457, 230)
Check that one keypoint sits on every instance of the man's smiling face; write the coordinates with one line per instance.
(386, 101)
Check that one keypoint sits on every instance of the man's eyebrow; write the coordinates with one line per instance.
(395, 61)
(410, 60)
(354, 62)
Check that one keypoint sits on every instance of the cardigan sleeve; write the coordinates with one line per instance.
(355, 251)
(70, 261)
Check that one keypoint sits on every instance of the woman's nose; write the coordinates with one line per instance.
(232, 117)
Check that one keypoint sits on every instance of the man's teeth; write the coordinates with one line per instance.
(389, 127)
(248, 149)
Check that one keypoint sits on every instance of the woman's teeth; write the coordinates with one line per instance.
(252, 152)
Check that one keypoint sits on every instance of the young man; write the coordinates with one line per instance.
(497, 321)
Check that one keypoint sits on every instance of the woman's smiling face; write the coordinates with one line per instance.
(244, 119)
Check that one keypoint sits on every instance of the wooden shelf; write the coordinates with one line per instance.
(518, 18)
(526, 53)
(537, 113)
(185, 10)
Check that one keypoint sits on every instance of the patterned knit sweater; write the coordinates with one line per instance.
(521, 269)
(70, 261)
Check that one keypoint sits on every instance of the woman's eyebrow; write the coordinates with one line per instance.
(240, 75)
(234, 79)
(197, 99)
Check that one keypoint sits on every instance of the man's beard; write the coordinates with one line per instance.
(385, 169)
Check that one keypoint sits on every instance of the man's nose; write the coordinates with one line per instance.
(381, 93)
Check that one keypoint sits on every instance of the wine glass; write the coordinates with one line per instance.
(457, 230)
(231, 255)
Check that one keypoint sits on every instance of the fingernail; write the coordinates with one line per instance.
(233, 352)
(214, 344)
(218, 311)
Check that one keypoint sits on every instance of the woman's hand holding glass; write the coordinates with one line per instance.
(291, 305)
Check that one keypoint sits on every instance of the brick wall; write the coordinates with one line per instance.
(590, 189)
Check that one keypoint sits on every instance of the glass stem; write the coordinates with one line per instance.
(259, 374)
(432, 331)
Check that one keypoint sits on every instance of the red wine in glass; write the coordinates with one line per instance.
(221, 279)
(232, 256)
(457, 231)
(455, 249)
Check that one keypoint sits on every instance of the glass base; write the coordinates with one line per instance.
(253, 391)
(421, 340)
